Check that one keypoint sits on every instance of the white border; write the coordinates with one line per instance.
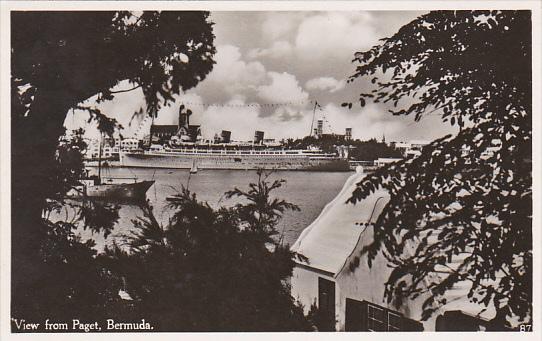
(5, 145)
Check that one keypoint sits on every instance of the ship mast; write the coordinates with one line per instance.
(150, 132)
(313, 114)
(100, 160)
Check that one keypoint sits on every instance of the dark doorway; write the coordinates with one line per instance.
(354, 316)
(326, 305)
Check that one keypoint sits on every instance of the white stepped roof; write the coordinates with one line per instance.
(332, 237)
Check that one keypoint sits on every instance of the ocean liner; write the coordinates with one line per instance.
(182, 147)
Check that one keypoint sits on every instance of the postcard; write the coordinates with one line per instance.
(202, 170)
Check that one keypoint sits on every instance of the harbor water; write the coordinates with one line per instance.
(311, 191)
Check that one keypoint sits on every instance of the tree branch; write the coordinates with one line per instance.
(126, 90)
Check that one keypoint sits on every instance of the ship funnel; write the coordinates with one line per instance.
(184, 117)
(226, 136)
(258, 137)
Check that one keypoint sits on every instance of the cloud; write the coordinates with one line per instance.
(278, 25)
(249, 82)
(284, 87)
(286, 114)
(316, 36)
(335, 34)
(325, 84)
(271, 57)
(243, 120)
(170, 114)
(121, 108)
(231, 74)
(279, 49)
(373, 121)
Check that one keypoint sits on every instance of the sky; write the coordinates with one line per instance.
(270, 57)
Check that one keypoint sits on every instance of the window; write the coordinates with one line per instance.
(394, 322)
(367, 316)
(376, 318)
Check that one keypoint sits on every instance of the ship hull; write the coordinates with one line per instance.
(130, 191)
(123, 191)
(235, 161)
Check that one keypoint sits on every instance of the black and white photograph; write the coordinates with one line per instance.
(267, 167)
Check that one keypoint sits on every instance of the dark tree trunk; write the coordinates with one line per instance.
(34, 141)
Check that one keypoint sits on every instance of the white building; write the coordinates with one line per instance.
(110, 147)
(351, 298)
(411, 148)
(382, 161)
(272, 143)
(129, 144)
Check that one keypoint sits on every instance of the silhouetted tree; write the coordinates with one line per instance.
(260, 213)
(71, 280)
(467, 199)
(211, 270)
(58, 60)
(371, 150)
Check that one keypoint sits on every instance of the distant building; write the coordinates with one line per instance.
(109, 150)
(163, 133)
(419, 143)
(367, 165)
(272, 143)
(93, 149)
(194, 132)
(382, 161)
(129, 144)
(320, 128)
(348, 134)
(343, 152)
(412, 148)
(333, 136)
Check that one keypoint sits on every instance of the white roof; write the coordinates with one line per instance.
(332, 237)
(421, 142)
(388, 159)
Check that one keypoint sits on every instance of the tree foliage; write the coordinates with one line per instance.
(211, 270)
(261, 213)
(59, 59)
(81, 54)
(462, 210)
(371, 150)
